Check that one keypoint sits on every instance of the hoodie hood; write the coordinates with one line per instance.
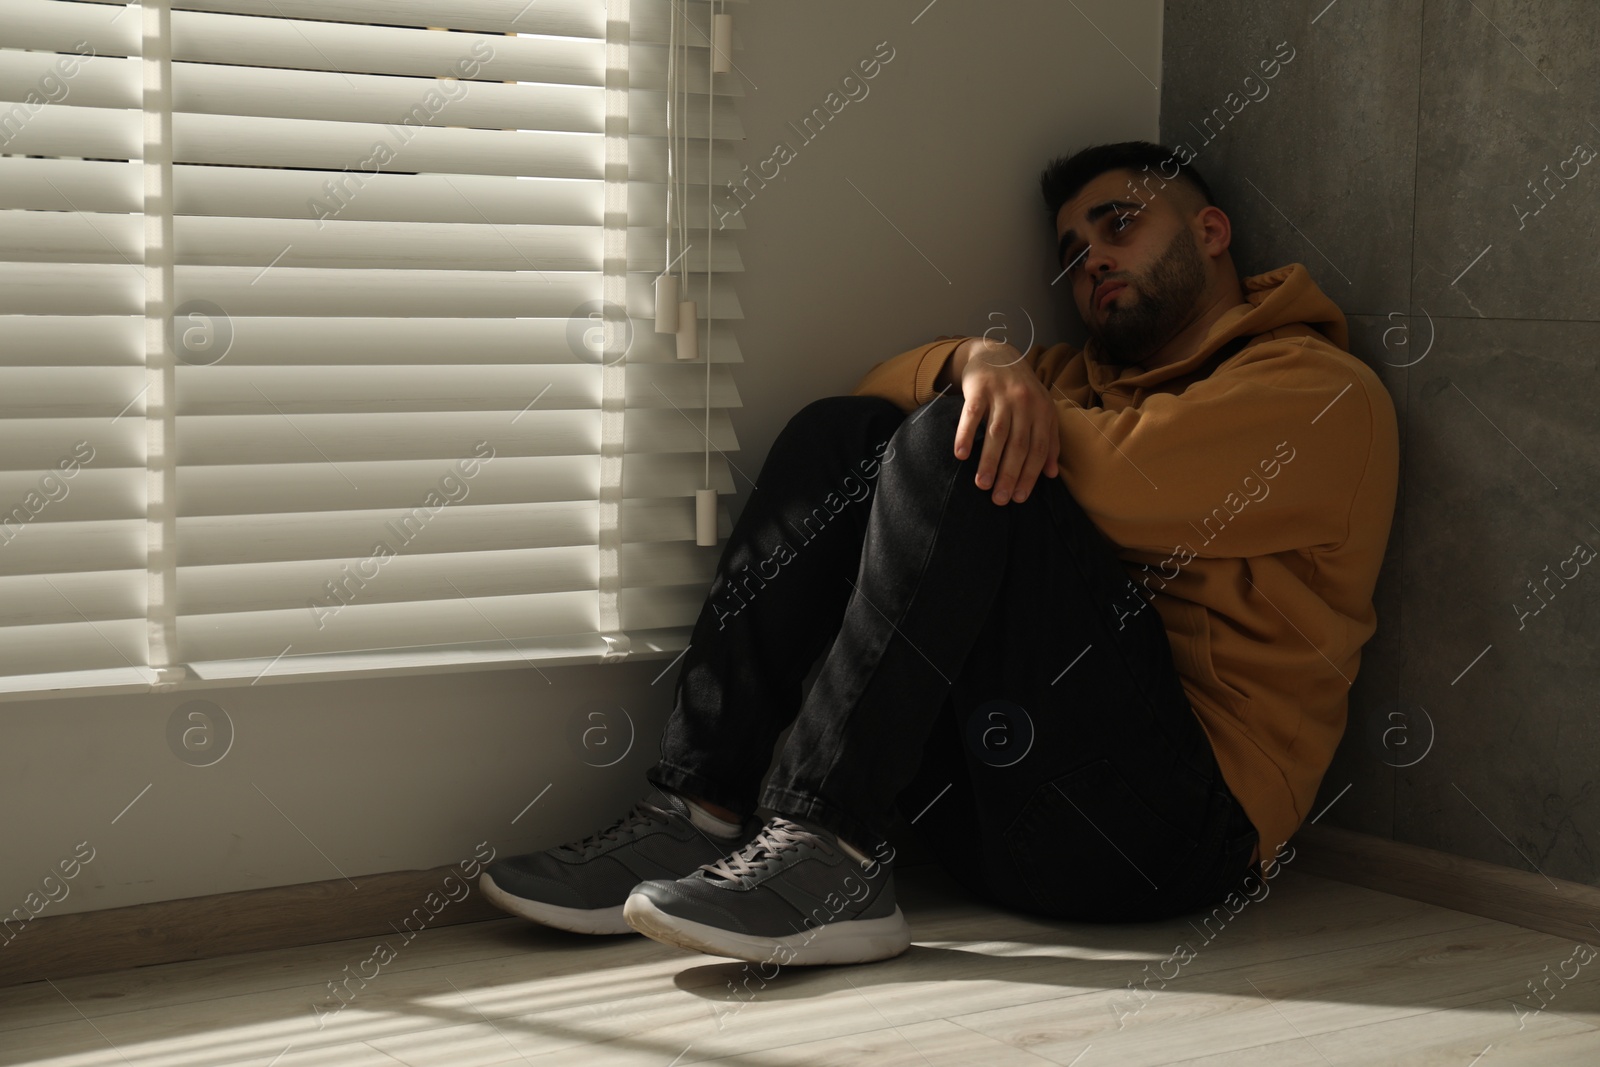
(1283, 297)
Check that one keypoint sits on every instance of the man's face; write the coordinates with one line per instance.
(1137, 274)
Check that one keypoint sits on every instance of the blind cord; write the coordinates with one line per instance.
(711, 103)
(672, 43)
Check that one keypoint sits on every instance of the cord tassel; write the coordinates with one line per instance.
(688, 331)
(666, 303)
(721, 44)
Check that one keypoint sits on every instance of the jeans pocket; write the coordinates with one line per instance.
(1087, 846)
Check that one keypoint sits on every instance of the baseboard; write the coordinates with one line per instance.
(1549, 905)
(171, 931)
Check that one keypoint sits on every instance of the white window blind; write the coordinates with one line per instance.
(302, 303)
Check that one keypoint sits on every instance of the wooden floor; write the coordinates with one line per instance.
(1317, 972)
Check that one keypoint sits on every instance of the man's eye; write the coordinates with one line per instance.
(1124, 221)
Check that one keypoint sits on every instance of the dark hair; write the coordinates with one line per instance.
(1064, 176)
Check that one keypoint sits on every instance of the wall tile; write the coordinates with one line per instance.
(1319, 167)
(1510, 89)
(1500, 485)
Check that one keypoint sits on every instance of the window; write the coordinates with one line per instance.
(307, 363)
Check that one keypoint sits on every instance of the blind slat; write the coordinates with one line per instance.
(73, 79)
(555, 18)
(66, 130)
(71, 340)
(360, 626)
(554, 651)
(213, 541)
(95, 544)
(86, 237)
(278, 488)
(281, 290)
(98, 186)
(408, 390)
(213, 440)
(295, 44)
(386, 571)
(110, 29)
(109, 340)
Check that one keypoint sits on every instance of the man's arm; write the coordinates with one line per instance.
(950, 374)
(1009, 463)
(908, 379)
(1177, 469)
(1030, 440)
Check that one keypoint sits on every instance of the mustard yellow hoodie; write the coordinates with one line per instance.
(1250, 487)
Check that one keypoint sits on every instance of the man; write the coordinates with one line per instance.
(1106, 694)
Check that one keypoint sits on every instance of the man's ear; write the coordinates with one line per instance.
(1216, 230)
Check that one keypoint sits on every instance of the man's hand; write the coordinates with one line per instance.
(1022, 436)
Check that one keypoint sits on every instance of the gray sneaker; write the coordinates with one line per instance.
(582, 886)
(789, 896)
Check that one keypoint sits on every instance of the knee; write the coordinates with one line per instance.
(932, 427)
(833, 419)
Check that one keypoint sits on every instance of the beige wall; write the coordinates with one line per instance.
(916, 212)
(355, 777)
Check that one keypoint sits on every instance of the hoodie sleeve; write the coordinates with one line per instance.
(907, 379)
(1264, 455)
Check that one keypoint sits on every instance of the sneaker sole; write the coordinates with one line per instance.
(577, 920)
(849, 941)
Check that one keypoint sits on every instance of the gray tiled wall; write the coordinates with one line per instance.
(1429, 162)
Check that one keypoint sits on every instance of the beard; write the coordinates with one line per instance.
(1167, 294)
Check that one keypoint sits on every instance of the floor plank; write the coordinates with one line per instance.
(1480, 1032)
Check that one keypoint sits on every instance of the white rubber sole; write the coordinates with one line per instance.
(848, 941)
(577, 920)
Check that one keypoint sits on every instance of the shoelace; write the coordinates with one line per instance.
(642, 812)
(780, 835)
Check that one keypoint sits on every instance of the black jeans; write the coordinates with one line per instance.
(987, 674)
